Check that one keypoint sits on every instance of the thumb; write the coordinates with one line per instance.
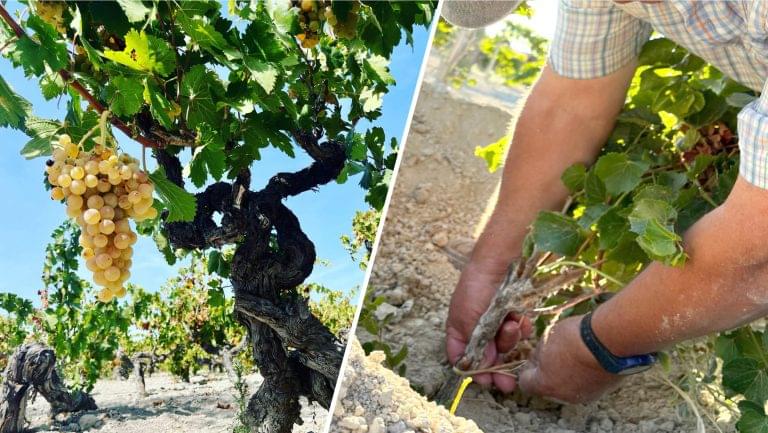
(529, 380)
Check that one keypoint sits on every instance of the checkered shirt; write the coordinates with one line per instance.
(596, 37)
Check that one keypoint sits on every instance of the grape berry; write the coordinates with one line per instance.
(102, 190)
(311, 21)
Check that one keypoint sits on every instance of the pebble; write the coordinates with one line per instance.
(440, 239)
(377, 426)
(524, 418)
(398, 427)
(88, 421)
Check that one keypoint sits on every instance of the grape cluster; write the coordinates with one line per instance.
(52, 12)
(346, 28)
(102, 190)
(309, 21)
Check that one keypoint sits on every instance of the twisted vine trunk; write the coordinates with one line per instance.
(34, 366)
(295, 353)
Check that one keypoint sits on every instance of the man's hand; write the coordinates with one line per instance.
(471, 298)
(564, 370)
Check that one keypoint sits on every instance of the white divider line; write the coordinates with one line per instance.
(380, 229)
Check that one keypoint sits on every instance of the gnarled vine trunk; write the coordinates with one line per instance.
(34, 366)
(295, 353)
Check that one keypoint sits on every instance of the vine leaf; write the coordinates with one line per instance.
(747, 376)
(573, 177)
(134, 10)
(159, 106)
(48, 50)
(144, 53)
(209, 156)
(619, 173)
(13, 108)
(197, 101)
(493, 154)
(202, 32)
(42, 132)
(125, 96)
(753, 418)
(264, 73)
(557, 233)
(181, 205)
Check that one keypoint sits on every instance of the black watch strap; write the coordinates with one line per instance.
(610, 362)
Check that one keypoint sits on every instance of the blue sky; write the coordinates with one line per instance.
(30, 216)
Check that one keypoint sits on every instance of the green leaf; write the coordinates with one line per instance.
(740, 100)
(659, 241)
(371, 100)
(610, 227)
(493, 154)
(594, 188)
(202, 32)
(753, 418)
(574, 176)
(42, 132)
(209, 156)
(13, 108)
(145, 53)
(197, 104)
(125, 95)
(49, 49)
(159, 106)
(557, 233)
(134, 10)
(181, 205)
(748, 377)
(647, 210)
(619, 173)
(263, 73)
(378, 68)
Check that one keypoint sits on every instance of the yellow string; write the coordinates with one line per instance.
(464, 384)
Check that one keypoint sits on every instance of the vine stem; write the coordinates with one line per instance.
(587, 267)
(79, 88)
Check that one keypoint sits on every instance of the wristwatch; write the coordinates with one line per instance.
(610, 362)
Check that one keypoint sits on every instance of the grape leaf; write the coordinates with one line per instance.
(48, 50)
(13, 108)
(42, 132)
(557, 233)
(160, 107)
(753, 418)
(202, 32)
(619, 173)
(493, 154)
(145, 53)
(264, 73)
(197, 104)
(574, 176)
(125, 95)
(209, 156)
(134, 10)
(181, 205)
(748, 377)
(377, 66)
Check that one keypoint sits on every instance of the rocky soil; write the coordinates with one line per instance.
(205, 405)
(373, 399)
(441, 194)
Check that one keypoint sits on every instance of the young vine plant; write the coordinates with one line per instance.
(672, 157)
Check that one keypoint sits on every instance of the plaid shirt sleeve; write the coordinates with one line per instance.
(594, 38)
(753, 140)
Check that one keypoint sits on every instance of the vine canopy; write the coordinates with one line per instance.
(223, 83)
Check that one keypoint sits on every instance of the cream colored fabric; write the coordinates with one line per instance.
(477, 13)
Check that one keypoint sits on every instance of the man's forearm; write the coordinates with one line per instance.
(563, 122)
(723, 284)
